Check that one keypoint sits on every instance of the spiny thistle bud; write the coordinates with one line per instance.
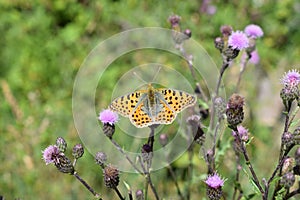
(234, 110)
(199, 138)
(220, 106)
(163, 139)
(101, 158)
(64, 164)
(297, 156)
(226, 30)
(139, 195)
(290, 91)
(111, 176)
(214, 186)
(287, 139)
(289, 94)
(77, 151)
(188, 33)
(147, 153)
(108, 130)
(219, 44)
(229, 54)
(174, 20)
(288, 165)
(296, 135)
(61, 144)
(288, 179)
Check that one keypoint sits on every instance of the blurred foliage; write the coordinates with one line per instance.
(43, 45)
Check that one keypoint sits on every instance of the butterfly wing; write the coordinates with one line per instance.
(125, 105)
(177, 100)
(139, 117)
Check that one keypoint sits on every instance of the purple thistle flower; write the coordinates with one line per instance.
(214, 181)
(243, 132)
(254, 57)
(291, 78)
(108, 116)
(238, 40)
(254, 31)
(50, 154)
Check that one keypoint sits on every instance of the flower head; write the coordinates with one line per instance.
(214, 181)
(238, 40)
(108, 116)
(254, 31)
(243, 132)
(254, 57)
(291, 78)
(50, 154)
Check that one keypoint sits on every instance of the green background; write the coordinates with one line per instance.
(43, 44)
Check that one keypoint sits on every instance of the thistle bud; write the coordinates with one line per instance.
(219, 44)
(61, 144)
(78, 151)
(64, 164)
(288, 179)
(139, 195)
(147, 153)
(234, 110)
(101, 158)
(287, 139)
(111, 176)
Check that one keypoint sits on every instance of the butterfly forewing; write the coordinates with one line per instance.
(177, 99)
(124, 105)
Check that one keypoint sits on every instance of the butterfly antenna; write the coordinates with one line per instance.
(139, 77)
(156, 74)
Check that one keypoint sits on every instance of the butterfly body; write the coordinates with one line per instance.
(152, 106)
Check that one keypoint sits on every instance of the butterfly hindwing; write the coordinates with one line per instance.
(139, 118)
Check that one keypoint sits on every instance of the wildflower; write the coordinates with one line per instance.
(174, 20)
(50, 154)
(214, 181)
(108, 116)
(243, 133)
(238, 40)
(78, 151)
(254, 57)
(291, 78)
(214, 186)
(61, 144)
(111, 176)
(254, 31)
(290, 91)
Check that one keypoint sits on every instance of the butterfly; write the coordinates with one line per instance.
(152, 106)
